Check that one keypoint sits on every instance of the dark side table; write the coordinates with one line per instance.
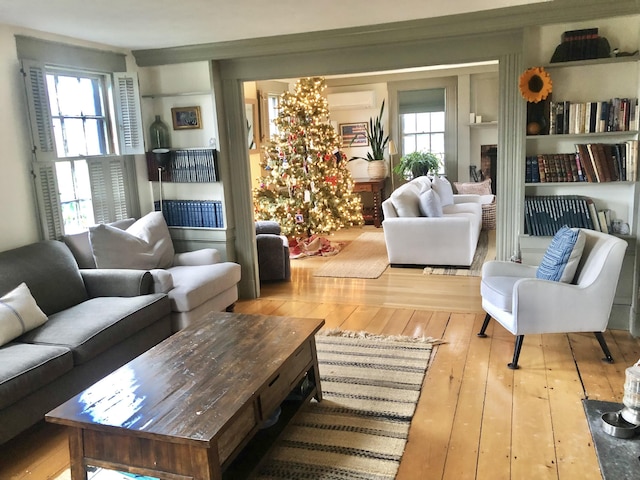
(376, 188)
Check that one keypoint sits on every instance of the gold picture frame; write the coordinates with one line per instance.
(185, 118)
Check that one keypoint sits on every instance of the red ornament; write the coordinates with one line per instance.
(333, 180)
(327, 157)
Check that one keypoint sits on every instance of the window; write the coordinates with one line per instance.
(83, 125)
(78, 113)
(422, 122)
(423, 132)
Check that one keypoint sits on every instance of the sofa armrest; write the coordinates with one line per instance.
(116, 282)
(204, 256)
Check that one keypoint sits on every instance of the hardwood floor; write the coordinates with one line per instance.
(476, 419)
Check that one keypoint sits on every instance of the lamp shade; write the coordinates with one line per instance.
(392, 148)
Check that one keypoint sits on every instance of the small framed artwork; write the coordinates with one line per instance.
(251, 117)
(354, 134)
(186, 117)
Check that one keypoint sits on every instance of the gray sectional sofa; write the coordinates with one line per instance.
(97, 320)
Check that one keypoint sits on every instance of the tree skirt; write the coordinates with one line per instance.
(312, 246)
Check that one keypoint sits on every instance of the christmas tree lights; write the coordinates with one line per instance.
(307, 189)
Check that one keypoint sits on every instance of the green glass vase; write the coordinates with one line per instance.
(159, 134)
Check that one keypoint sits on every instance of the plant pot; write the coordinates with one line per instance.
(377, 169)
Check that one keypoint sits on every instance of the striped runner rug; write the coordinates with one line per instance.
(370, 387)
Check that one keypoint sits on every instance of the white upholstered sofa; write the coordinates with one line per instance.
(426, 224)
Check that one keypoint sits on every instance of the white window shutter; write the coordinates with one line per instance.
(39, 113)
(46, 186)
(129, 118)
(108, 188)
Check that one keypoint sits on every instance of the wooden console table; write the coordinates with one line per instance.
(376, 187)
(184, 409)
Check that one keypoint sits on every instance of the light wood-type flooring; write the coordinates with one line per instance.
(476, 419)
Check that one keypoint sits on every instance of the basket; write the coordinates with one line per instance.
(489, 216)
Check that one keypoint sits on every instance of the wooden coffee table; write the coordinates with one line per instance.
(184, 409)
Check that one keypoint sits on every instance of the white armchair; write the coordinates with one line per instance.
(524, 304)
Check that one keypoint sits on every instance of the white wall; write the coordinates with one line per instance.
(18, 224)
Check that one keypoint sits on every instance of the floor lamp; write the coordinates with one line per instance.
(162, 158)
(392, 151)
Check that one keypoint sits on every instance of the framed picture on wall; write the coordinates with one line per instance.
(354, 134)
(186, 118)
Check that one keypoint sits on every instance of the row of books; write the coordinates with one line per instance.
(192, 213)
(184, 165)
(545, 215)
(615, 115)
(591, 162)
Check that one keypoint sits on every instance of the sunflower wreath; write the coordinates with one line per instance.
(535, 84)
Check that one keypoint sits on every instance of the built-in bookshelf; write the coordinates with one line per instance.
(580, 169)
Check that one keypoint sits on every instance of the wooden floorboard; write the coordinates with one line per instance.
(475, 418)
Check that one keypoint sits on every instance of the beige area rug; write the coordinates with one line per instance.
(370, 387)
(486, 250)
(365, 257)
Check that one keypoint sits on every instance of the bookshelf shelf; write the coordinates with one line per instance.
(594, 61)
(592, 135)
(575, 184)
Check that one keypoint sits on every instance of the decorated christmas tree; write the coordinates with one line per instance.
(307, 188)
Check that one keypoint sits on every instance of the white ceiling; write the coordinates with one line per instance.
(144, 24)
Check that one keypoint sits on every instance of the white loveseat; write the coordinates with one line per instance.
(426, 224)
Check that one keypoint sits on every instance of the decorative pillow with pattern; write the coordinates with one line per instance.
(473, 188)
(561, 259)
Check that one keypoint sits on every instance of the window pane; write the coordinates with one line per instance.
(69, 96)
(94, 136)
(89, 97)
(408, 123)
(75, 195)
(65, 181)
(81, 178)
(408, 144)
(422, 143)
(53, 96)
(75, 142)
(437, 122)
(437, 143)
(59, 139)
(423, 123)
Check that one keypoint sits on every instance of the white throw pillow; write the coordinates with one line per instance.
(444, 190)
(145, 245)
(430, 205)
(406, 202)
(19, 313)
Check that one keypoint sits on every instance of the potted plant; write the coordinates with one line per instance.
(416, 164)
(378, 142)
